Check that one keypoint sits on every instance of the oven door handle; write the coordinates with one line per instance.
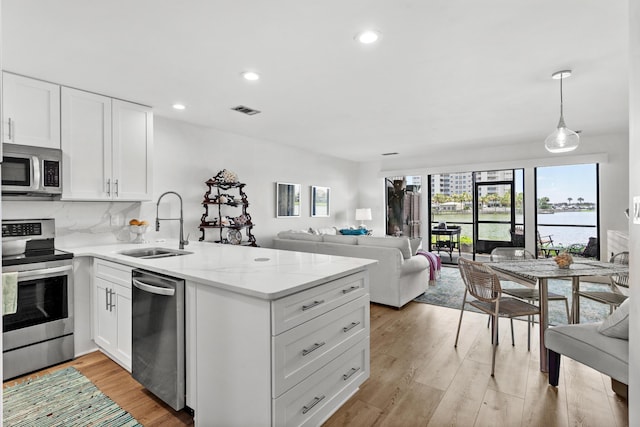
(44, 272)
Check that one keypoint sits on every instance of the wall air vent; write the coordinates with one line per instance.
(390, 154)
(246, 110)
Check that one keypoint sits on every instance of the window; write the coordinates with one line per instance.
(567, 205)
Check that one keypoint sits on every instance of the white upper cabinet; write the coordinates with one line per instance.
(31, 111)
(107, 148)
(132, 151)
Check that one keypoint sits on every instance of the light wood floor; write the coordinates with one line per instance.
(418, 378)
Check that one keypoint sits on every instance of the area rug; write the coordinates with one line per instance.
(449, 291)
(62, 398)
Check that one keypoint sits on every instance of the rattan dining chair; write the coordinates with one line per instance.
(531, 295)
(484, 285)
(614, 297)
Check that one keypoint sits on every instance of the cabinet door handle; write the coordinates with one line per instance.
(109, 187)
(312, 348)
(115, 183)
(313, 403)
(106, 299)
(350, 373)
(313, 304)
(350, 327)
(111, 304)
(10, 129)
(351, 289)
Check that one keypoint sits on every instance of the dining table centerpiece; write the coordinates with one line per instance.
(563, 259)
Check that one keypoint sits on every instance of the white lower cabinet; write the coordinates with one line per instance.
(289, 362)
(112, 310)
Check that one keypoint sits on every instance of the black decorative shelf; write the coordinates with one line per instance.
(216, 187)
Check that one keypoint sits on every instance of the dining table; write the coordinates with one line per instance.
(537, 272)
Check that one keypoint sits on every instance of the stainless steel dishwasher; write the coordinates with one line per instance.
(158, 348)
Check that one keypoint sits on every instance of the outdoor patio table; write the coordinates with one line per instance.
(539, 271)
(451, 241)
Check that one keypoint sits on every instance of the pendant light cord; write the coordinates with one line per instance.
(561, 79)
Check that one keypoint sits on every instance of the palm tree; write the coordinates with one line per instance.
(580, 200)
(569, 199)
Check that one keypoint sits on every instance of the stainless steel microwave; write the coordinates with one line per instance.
(31, 171)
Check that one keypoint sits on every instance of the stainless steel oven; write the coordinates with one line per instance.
(39, 333)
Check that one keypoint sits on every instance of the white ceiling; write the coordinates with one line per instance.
(446, 72)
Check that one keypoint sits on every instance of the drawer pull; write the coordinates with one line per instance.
(313, 304)
(312, 348)
(351, 289)
(350, 373)
(350, 327)
(313, 403)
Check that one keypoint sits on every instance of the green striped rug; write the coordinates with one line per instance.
(62, 398)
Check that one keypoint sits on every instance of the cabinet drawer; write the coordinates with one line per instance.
(315, 399)
(298, 308)
(113, 272)
(303, 350)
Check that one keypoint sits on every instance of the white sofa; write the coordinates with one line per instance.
(397, 278)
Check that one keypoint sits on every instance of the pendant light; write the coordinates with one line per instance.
(562, 139)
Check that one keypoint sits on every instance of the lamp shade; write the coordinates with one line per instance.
(562, 139)
(363, 214)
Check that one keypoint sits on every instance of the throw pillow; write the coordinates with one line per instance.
(617, 324)
(356, 232)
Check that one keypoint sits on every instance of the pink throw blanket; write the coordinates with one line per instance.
(435, 264)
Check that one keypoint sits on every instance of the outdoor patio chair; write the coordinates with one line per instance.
(544, 242)
(484, 285)
(531, 295)
(614, 297)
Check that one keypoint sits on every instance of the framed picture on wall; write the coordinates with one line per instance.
(287, 199)
(320, 203)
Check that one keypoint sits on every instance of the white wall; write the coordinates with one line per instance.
(634, 190)
(185, 156)
(610, 151)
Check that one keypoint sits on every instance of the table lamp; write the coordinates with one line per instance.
(363, 215)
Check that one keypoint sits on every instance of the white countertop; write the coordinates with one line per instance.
(239, 269)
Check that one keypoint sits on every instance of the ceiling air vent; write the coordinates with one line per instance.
(246, 110)
(390, 154)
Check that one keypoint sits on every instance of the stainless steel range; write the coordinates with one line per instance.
(40, 332)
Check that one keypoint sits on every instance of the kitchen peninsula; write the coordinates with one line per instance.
(272, 337)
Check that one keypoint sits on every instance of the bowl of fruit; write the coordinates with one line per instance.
(564, 260)
(138, 228)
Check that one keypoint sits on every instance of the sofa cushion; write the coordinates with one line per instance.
(296, 235)
(583, 343)
(617, 324)
(323, 230)
(345, 240)
(288, 233)
(401, 243)
(415, 243)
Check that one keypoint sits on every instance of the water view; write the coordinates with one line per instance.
(548, 224)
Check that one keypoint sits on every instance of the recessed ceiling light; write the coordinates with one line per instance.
(179, 106)
(368, 36)
(251, 75)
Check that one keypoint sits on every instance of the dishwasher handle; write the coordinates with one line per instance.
(153, 289)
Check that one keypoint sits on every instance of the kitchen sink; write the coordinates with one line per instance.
(152, 253)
